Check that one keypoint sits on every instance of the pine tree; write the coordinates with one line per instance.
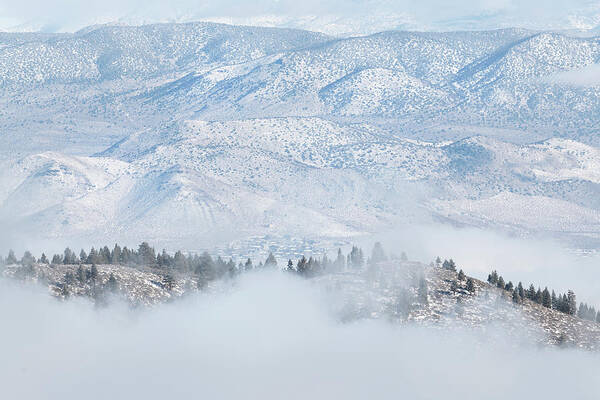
(377, 254)
(28, 259)
(248, 266)
(271, 262)
(461, 275)
(301, 266)
(470, 285)
(69, 257)
(206, 267)
(93, 273)
(538, 296)
(531, 292)
(340, 263)
(554, 301)
(438, 261)
(500, 283)
(546, 298)
(515, 296)
(83, 256)
(598, 317)
(290, 266)
(168, 282)
(521, 291)
(69, 278)
(453, 286)
(44, 259)
(80, 275)
(56, 259)
(92, 256)
(112, 284)
(571, 303)
(449, 265)
(115, 256)
(146, 254)
(11, 259)
(493, 278)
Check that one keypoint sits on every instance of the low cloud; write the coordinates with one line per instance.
(583, 77)
(270, 336)
(428, 14)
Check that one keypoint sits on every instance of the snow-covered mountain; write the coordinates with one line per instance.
(179, 131)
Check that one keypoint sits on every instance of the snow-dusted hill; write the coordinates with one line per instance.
(178, 132)
(387, 290)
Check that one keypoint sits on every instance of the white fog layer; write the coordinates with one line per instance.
(271, 336)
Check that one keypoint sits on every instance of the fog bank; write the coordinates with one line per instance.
(270, 336)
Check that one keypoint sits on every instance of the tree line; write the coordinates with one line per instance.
(565, 303)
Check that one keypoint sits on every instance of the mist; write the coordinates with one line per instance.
(268, 336)
(543, 261)
(70, 15)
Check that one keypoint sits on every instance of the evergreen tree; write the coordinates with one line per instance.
(571, 303)
(531, 292)
(80, 275)
(453, 286)
(461, 275)
(538, 296)
(56, 259)
(93, 273)
(179, 261)
(377, 254)
(546, 298)
(115, 256)
(92, 256)
(340, 263)
(168, 282)
(500, 283)
(27, 259)
(449, 265)
(83, 256)
(146, 254)
(248, 265)
(554, 301)
(355, 258)
(112, 284)
(521, 291)
(438, 261)
(206, 267)
(493, 278)
(301, 266)
(231, 269)
(290, 266)
(515, 296)
(470, 285)
(69, 278)
(69, 257)
(11, 259)
(44, 259)
(598, 317)
(271, 262)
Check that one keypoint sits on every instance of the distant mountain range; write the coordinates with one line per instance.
(177, 131)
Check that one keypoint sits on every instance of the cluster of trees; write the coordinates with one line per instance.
(450, 265)
(565, 303)
(204, 266)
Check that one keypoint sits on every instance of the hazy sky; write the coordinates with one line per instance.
(355, 14)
